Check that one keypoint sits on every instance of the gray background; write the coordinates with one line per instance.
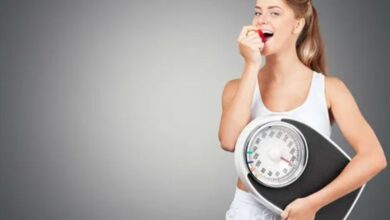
(110, 109)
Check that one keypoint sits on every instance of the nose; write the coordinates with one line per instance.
(261, 19)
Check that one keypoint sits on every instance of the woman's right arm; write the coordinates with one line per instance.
(237, 94)
(236, 106)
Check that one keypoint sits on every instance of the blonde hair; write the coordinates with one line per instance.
(309, 45)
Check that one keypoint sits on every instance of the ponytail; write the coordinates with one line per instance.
(309, 45)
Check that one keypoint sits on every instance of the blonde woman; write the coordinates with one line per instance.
(294, 81)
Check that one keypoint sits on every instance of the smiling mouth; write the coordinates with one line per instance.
(267, 35)
(264, 35)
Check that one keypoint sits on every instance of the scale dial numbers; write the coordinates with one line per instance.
(276, 154)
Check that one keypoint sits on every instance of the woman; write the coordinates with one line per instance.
(294, 81)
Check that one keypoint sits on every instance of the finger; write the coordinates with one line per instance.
(253, 35)
(252, 41)
(255, 40)
(255, 47)
(256, 44)
(258, 47)
(284, 214)
(245, 30)
(248, 29)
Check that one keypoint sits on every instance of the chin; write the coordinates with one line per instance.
(274, 46)
(266, 52)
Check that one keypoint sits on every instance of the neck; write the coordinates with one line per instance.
(283, 66)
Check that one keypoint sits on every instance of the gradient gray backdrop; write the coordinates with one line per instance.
(110, 109)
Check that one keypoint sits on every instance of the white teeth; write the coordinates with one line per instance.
(267, 31)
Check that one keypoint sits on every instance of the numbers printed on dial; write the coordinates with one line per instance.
(277, 155)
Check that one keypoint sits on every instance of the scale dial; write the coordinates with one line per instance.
(276, 154)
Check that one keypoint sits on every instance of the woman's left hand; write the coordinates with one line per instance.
(300, 209)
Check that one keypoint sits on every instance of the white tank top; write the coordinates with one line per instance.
(313, 112)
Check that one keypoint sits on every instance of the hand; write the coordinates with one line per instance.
(300, 209)
(250, 45)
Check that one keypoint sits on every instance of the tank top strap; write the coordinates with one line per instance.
(318, 97)
(315, 87)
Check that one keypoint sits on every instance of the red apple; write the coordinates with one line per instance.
(261, 35)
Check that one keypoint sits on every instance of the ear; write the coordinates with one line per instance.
(299, 24)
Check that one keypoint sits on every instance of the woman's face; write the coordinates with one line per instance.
(276, 16)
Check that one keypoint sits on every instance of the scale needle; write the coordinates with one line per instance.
(289, 162)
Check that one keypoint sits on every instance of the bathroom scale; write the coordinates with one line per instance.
(280, 159)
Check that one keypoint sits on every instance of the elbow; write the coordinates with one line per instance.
(381, 167)
(383, 163)
(226, 142)
(376, 161)
(227, 145)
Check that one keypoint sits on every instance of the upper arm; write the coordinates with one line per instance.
(228, 93)
(350, 120)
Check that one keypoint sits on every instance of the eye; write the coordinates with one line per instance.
(275, 13)
(257, 13)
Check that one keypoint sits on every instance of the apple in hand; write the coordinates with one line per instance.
(261, 35)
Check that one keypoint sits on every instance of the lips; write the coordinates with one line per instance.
(265, 36)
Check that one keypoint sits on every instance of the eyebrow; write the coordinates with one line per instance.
(274, 6)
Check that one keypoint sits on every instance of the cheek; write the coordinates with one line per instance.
(285, 30)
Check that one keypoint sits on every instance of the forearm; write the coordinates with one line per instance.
(359, 171)
(237, 115)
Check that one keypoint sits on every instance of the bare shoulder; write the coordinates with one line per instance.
(352, 123)
(229, 91)
(335, 90)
